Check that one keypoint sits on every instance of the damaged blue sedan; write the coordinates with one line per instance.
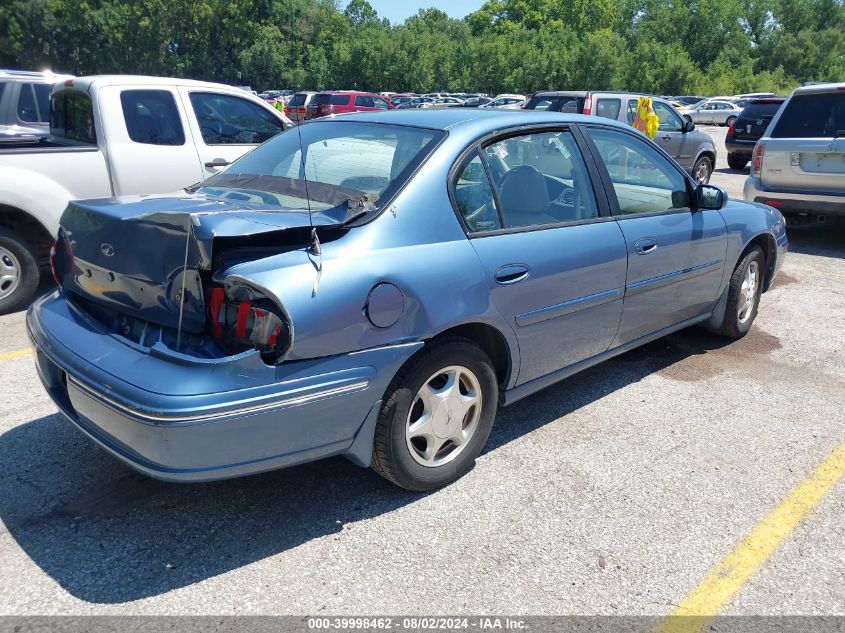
(376, 285)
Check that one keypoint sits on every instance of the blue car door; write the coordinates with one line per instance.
(676, 254)
(556, 264)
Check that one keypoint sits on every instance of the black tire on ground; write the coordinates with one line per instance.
(392, 458)
(732, 326)
(698, 173)
(27, 266)
(737, 162)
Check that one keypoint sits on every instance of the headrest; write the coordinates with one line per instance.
(523, 190)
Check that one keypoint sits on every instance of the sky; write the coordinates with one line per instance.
(397, 10)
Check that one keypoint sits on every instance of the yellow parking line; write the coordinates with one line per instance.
(737, 568)
(16, 354)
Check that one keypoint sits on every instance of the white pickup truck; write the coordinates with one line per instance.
(112, 136)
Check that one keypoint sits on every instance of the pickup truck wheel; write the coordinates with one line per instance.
(701, 170)
(19, 273)
(436, 416)
(737, 162)
(744, 290)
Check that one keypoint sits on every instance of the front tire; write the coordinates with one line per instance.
(744, 290)
(19, 272)
(436, 416)
(737, 162)
(701, 170)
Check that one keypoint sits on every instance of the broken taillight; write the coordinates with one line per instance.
(242, 318)
(61, 257)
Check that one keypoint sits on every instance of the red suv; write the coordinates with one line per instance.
(340, 101)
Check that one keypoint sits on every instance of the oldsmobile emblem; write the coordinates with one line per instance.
(107, 249)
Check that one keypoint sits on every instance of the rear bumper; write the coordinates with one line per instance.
(310, 409)
(794, 201)
(740, 147)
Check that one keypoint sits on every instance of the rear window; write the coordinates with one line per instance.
(34, 103)
(362, 164)
(757, 110)
(72, 117)
(152, 117)
(571, 104)
(298, 99)
(812, 116)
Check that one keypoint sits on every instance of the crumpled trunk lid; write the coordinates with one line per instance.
(138, 255)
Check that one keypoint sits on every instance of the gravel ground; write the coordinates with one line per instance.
(613, 492)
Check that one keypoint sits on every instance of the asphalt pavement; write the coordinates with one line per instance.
(614, 492)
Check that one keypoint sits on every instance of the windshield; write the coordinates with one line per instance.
(556, 103)
(346, 163)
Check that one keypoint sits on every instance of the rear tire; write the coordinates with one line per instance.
(744, 290)
(19, 272)
(737, 162)
(420, 408)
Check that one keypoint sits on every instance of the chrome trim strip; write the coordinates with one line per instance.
(567, 307)
(671, 278)
(214, 415)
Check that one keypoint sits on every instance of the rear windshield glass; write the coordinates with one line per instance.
(72, 117)
(298, 99)
(812, 116)
(574, 105)
(359, 165)
(757, 110)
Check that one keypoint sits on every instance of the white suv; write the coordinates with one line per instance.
(798, 166)
(25, 104)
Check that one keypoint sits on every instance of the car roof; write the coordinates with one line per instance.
(86, 82)
(562, 93)
(32, 76)
(828, 87)
(478, 121)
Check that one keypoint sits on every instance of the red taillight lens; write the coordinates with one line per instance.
(588, 105)
(243, 319)
(757, 163)
(53, 265)
(731, 127)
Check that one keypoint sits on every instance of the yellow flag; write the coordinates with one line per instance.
(645, 120)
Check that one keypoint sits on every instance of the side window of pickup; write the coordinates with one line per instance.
(226, 120)
(152, 117)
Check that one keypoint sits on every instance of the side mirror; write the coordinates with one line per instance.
(710, 197)
(689, 126)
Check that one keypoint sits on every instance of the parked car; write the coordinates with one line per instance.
(297, 108)
(417, 102)
(448, 102)
(476, 101)
(282, 336)
(798, 165)
(114, 136)
(503, 100)
(25, 105)
(694, 150)
(344, 101)
(712, 112)
(745, 131)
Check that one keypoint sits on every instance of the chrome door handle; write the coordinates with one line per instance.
(511, 274)
(645, 246)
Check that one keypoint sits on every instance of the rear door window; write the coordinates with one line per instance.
(812, 116)
(72, 117)
(226, 119)
(339, 100)
(152, 117)
(364, 101)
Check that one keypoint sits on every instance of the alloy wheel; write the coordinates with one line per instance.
(10, 273)
(748, 291)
